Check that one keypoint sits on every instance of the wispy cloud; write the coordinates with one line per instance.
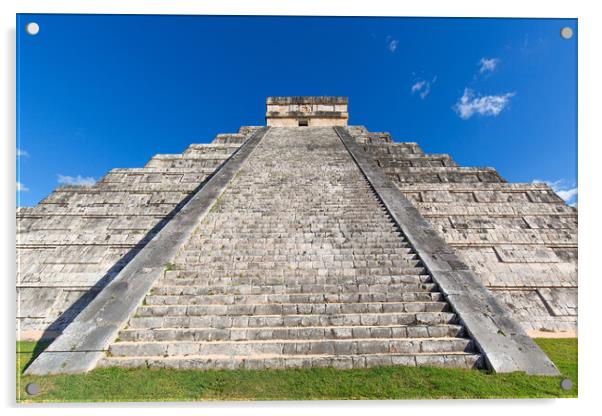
(422, 87)
(418, 86)
(568, 191)
(22, 153)
(75, 180)
(567, 194)
(393, 44)
(485, 105)
(21, 187)
(488, 65)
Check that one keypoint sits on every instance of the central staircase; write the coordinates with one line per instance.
(297, 264)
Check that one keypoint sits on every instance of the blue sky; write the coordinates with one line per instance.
(96, 92)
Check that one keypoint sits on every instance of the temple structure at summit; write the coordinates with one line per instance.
(302, 243)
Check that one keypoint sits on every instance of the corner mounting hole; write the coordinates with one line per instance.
(32, 28)
(566, 32)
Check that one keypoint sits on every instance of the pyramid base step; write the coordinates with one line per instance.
(216, 362)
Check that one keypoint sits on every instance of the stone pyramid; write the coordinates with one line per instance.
(303, 243)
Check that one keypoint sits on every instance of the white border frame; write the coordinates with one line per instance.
(589, 151)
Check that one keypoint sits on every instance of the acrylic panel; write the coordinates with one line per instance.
(295, 208)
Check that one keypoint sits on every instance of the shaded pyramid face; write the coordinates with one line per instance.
(77, 239)
(324, 245)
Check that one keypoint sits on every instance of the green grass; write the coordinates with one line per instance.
(116, 384)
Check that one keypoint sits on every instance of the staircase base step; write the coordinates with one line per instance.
(216, 362)
(354, 346)
(302, 333)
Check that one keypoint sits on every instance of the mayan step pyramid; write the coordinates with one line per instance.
(303, 243)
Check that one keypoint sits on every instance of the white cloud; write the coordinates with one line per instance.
(21, 187)
(567, 194)
(22, 153)
(422, 87)
(418, 86)
(565, 190)
(488, 65)
(487, 105)
(393, 44)
(75, 180)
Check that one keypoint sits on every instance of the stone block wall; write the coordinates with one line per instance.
(75, 241)
(520, 238)
(306, 111)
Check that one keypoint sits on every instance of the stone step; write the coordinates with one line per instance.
(261, 269)
(356, 220)
(216, 362)
(369, 275)
(189, 287)
(238, 261)
(229, 138)
(269, 253)
(296, 233)
(359, 258)
(308, 236)
(296, 279)
(373, 224)
(293, 233)
(293, 347)
(306, 207)
(297, 265)
(315, 207)
(290, 308)
(304, 320)
(317, 252)
(178, 298)
(308, 247)
(267, 333)
(356, 223)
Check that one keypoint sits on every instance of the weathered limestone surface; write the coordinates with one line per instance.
(499, 337)
(315, 273)
(306, 111)
(77, 239)
(521, 239)
(299, 264)
(85, 339)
